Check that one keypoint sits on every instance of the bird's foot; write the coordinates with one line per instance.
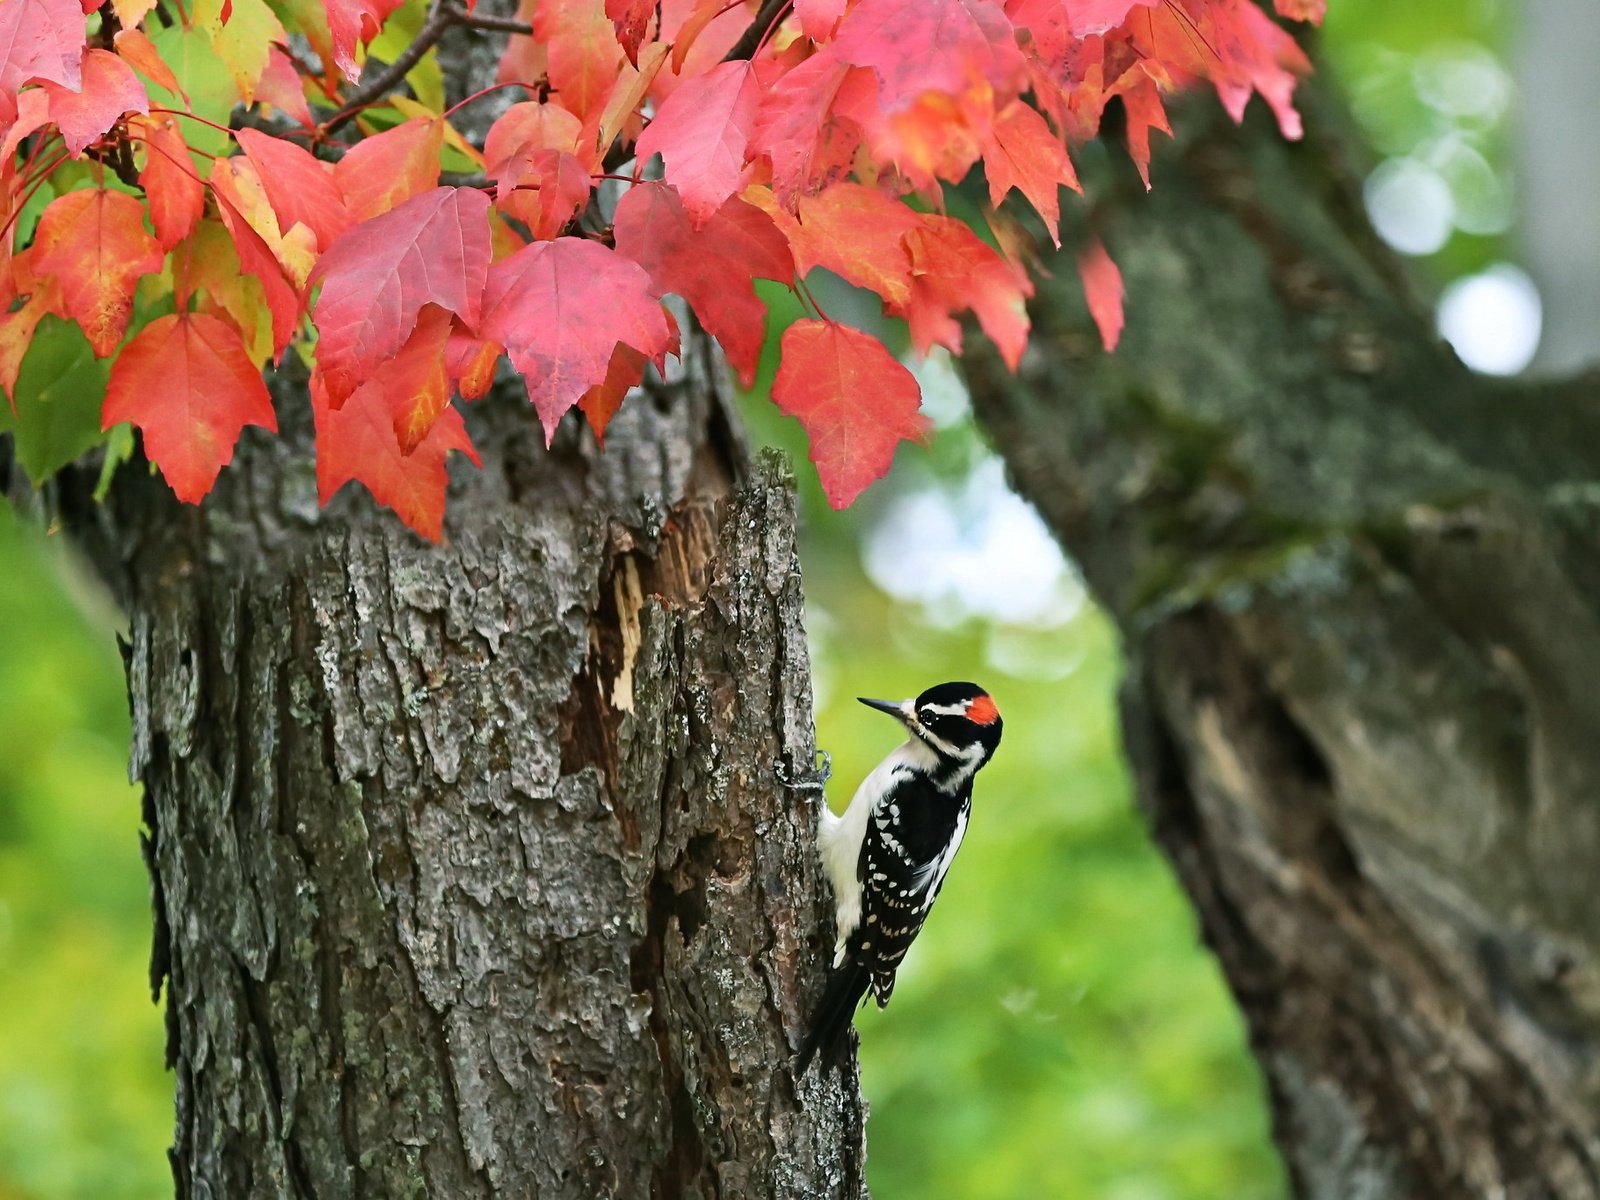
(814, 780)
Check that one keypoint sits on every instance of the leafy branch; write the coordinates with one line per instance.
(444, 16)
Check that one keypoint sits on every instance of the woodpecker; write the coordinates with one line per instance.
(888, 854)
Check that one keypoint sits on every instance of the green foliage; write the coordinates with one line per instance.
(1428, 86)
(59, 390)
(85, 1107)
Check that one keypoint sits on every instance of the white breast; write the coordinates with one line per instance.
(840, 838)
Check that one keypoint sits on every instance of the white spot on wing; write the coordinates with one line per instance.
(930, 877)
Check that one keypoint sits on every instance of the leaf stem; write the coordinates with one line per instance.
(39, 143)
(486, 22)
(178, 112)
(22, 202)
(478, 95)
(804, 293)
(302, 66)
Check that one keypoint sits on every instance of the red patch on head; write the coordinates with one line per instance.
(982, 711)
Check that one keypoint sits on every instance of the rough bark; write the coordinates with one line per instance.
(471, 874)
(1357, 588)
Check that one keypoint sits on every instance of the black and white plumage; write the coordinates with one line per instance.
(888, 855)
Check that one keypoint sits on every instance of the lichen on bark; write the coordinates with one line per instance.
(1362, 641)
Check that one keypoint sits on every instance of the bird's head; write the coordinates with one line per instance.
(958, 721)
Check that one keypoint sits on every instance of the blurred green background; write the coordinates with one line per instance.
(1059, 1031)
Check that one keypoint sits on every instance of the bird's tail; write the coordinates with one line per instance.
(830, 1023)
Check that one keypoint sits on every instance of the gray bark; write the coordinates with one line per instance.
(1357, 589)
(471, 874)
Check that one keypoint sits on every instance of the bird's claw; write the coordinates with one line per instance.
(813, 781)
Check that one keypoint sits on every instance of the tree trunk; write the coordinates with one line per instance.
(472, 877)
(1357, 588)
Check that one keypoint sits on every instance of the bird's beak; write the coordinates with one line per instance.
(900, 710)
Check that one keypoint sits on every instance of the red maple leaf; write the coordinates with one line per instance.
(299, 186)
(109, 89)
(856, 402)
(631, 20)
(543, 304)
(236, 183)
(702, 131)
(189, 385)
(526, 127)
(600, 403)
(256, 257)
(1258, 56)
(1021, 152)
(711, 267)
(954, 270)
(94, 242)
(1141, 101)
(700, 32)
(799, 133)
(353, 22)
(390, 168)
(176, 195)
(1087, 17)
(544, 190)
(819, 17)
(40, 39)
(920, 46)
(357, 441)
(1102, 284)
(279, 86)
(376, 277)
(583, 51)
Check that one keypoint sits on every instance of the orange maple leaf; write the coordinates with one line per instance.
(1102, 285)
(600, 403)
(380, 172)
(110, 88)
(856, 401)
(357, 442)
(94, 242)
(189, 385)
(176, 194)
(583, 51)
(954, 270)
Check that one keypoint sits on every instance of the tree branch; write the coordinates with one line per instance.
(490, 23)
(440, 19)
(750, 40)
